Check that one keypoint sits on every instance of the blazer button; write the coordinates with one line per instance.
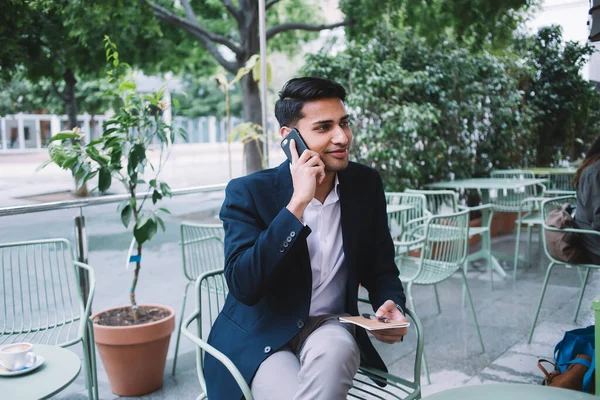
(289, 239)
(285, 244)
(281, 249)
(300, 324)
(268, 349)
(292, 233)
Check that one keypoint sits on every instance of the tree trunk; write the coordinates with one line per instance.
(252, 113)
(71, 106)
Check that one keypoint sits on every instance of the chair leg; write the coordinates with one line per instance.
(411, 305)
(464, 293)
(529, 229)
(437, 299)
(473, 310)
(516, 263)
(181, 317)
(537, 312)
(585, 279)
(89, 360)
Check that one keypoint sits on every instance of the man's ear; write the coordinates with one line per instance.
(284, 131)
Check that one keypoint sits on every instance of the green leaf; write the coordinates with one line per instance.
(122, 205)
(89, 176)
(162, 223)
(104, 179)
(152, 182)
(64, 136)
(43, 165)
(156, 196)
(126, 214)
(164, 210)
(145, 229)
(165, 189)
(127, 86)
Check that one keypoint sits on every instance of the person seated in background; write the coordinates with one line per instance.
(587, 214)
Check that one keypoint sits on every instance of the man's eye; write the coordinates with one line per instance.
(323, 128)
(345, 124)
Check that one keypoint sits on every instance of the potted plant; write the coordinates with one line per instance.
(132, 340)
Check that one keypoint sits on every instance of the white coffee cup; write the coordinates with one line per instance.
(17, 356)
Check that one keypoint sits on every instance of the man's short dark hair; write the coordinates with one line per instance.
(297, 91)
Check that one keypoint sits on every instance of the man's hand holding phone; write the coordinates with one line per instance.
(307, 171)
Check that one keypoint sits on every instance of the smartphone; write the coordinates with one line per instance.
(300, 143)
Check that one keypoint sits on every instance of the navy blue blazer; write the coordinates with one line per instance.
(267, 268)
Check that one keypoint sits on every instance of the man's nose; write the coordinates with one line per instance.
(339, 136)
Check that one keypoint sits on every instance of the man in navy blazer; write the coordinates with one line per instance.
(299, 240)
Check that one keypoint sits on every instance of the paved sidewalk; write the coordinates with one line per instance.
(451, 345)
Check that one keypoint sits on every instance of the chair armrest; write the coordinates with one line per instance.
(477, 208)
(573, 230)
(418, 355)
(528, 200)
(90, 295)
(216, 354)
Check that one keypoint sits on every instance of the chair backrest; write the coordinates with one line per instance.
(512, 174)
(40, 296)
(439, 202)
(211, 293)
(418, 201)
(561, 181)
(397, 219)
(510, 200)
(202, 248)
(447, 238)
(444, 251)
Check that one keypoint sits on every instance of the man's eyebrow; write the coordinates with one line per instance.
(329, 121)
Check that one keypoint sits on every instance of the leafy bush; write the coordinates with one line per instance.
(565, 107)
(425, 113)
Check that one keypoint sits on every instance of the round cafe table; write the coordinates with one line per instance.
(60, 368)
(510, 391)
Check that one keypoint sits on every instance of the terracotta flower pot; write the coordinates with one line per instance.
(134, 356)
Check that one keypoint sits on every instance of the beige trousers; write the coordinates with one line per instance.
(318, 364)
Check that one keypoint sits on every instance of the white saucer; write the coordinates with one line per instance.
(39, 360)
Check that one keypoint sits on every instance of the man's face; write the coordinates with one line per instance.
(326, 130)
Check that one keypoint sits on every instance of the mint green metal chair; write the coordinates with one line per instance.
(549, 205)
(41, 301)
(560, 182)
(211, 292)
(525, 202)
(201, 251)
(444, 240)
(397, 216)
(444, 202)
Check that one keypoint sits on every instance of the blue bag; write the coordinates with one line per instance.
(577, 341)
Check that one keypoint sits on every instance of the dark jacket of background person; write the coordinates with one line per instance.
(587, 215)
(268, 271)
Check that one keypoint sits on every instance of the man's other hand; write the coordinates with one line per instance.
(390, 311)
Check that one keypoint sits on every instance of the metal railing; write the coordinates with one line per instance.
(81, 240)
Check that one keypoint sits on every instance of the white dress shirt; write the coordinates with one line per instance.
(325, 248)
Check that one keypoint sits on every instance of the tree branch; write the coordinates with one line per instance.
(232, 10)
(189, 11)
(290, 26)
(205, 36)
(58, 93)
(271, 3)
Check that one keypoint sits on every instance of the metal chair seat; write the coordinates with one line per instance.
(432, 271)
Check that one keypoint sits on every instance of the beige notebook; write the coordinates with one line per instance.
(373, 324)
